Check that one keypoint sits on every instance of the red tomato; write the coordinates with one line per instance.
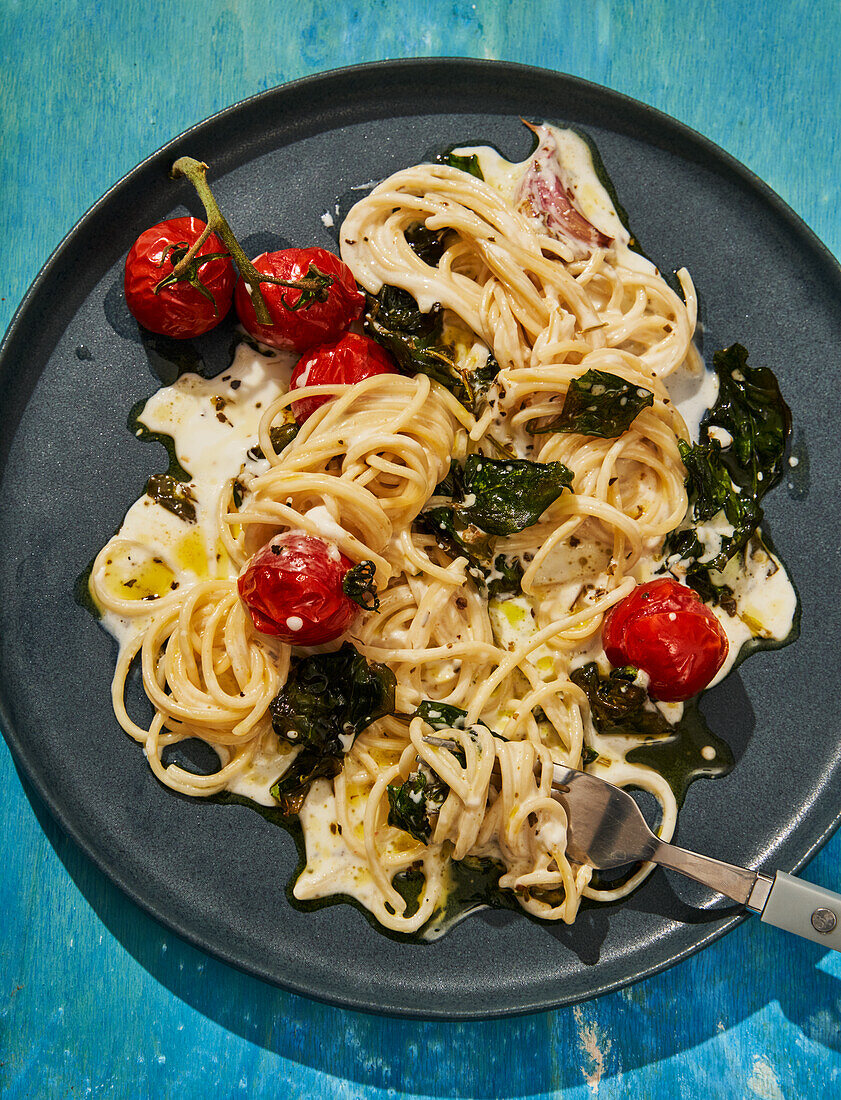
(300, 318)
(665, 629)
(293, 589)
(347, 361)
(198, 300)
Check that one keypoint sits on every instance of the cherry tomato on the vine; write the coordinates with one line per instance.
(665, 629)
(292, 588)
(318, 312)
(348, 360)
(195, 302)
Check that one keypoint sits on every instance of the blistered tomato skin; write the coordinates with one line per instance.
(665, 629)
(297, 327)
(292, 588)
(180, 310)
(349, 360)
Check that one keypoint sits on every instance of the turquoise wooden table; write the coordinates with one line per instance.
(97, 999)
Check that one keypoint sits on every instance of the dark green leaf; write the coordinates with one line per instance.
(358, 585)
(176, 496)
(331, 697)
(503, 497)
(441, 716)
(599, 404)
(411, 802)
(416, 339)
(429, 244)
(424, 792)
(281, 436)
(492, 497)
(444, 716)
(617, 703)
(720, 595)
(588, 756)
(731, 480)
(293, 786)
(469, 164)
(327, 700)
(506, 577)
(752, 409)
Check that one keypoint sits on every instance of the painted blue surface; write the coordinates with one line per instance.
(95, 998)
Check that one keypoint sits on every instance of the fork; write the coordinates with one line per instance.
(606, 829)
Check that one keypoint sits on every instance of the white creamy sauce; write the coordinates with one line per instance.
(213, 423)
(552, 834)
(327, 527)
(211, 442)
(765, 599)
(692, 389)
(270, 761)
(720, 435)
(332, 868)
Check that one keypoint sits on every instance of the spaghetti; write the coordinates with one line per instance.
(549, 301)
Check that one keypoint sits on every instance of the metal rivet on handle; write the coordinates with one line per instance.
(824, 921)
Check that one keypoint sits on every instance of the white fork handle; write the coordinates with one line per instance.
(804, 909)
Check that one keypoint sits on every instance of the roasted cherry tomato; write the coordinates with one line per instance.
(315, 312)
(293, 589)
(347, 361)
(665, 629)
(196, 301)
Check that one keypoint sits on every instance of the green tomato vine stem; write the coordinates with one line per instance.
(313, 287)
(196, 172)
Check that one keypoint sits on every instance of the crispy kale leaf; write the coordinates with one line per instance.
(176, 496)
(457, 538)
(293, 786)
(599, 404)
(442, 716)
(469, 164)
(415, 339)
(730, 481)
(751, 408)
(281, 436)
(358, 585)
(617, 704)
(505, 496)
(492, 496)
(429, 244)
(412, 802)
(327, 700)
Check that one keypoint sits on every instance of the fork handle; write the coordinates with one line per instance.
(724, 878)
(785, 901)
(805, 909)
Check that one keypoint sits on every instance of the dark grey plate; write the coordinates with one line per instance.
(217, 874)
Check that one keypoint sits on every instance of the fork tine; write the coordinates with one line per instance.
(604, 824)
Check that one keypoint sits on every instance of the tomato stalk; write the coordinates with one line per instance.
(314, 286)
(190, 272)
